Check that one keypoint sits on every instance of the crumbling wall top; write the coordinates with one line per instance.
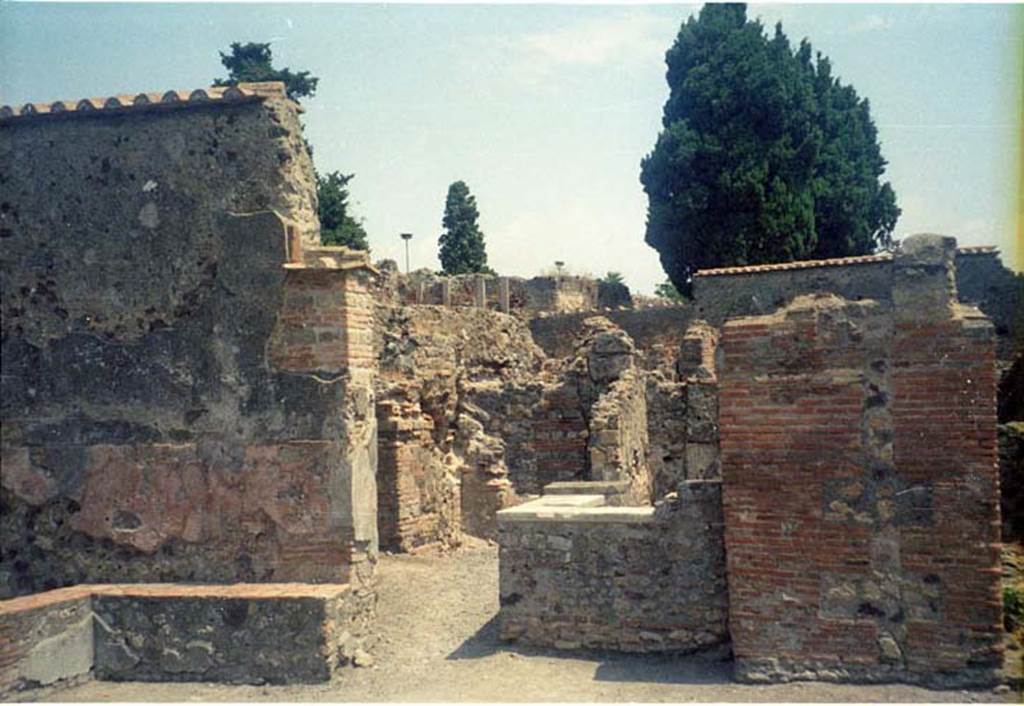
(147, 101)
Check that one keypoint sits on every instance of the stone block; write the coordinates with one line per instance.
(701, 412)
(702, 461)
(237, 633)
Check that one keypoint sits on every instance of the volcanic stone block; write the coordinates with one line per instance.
(281, 633)
(247, 633)
(44, 639)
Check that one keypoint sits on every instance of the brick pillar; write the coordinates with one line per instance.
(326, 329)
(861, 502)
(446, 291)
(361, 429)
(945, 449)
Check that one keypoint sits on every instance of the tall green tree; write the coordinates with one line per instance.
(763, 156)
(462, 244)
(337, 226)
(253, 61)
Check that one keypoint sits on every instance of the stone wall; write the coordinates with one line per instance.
(441, 370)
(753, 291)
(176, 632)
(488, 291)
(635, 579)
(981, 280)
(860, 490)
(1011, 480)
(541, 425)
(171, 407)
(656, 332)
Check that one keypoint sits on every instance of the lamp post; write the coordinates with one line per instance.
(406, 237)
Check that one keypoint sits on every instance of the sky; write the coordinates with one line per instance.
(545, 111)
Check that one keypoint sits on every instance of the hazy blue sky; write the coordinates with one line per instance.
(546, 111)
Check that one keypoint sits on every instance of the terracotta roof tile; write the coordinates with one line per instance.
(125, 102)
(798, 265)
(977, 250)
(833, 262)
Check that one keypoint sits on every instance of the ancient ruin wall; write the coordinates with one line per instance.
(762, 290)
(657, 332)
(981, 280)
(635, 579)
(148, 434)
(454, 394)
(488, 291)
(860, 490)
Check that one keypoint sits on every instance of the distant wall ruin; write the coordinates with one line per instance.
(498, 293)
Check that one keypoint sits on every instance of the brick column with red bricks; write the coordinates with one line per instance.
(860, 485)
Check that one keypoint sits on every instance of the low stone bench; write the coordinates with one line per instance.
(239, 633)
(576, 572)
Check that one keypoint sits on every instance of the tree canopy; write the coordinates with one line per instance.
(667, 290)
(763, 157)
(337, 226)
(462, 244)
(253, 61)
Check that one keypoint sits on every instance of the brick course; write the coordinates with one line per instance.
(861, 499)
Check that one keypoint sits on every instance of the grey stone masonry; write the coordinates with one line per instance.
(577, 573)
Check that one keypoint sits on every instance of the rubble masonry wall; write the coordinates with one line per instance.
(636, 579)
(158, 424)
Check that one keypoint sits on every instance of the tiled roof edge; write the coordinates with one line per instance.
(147, 101)
(797, 265)
(832, 262)
(978, 250)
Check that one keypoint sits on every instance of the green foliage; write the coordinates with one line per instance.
(612, 278)
(667, 290)
(462, 244)
(763, 156)
(1013, 608)
(253, 62)
(337, 227)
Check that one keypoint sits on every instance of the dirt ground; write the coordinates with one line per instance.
(438, 642)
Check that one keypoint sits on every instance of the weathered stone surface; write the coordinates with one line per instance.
(143, 281)
(529, 297)
(241, 633)
(656, 332)
(1011, 479)
(636, 579)
(211, 639)
(860, 498)
(46, 643)
(453, 417)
